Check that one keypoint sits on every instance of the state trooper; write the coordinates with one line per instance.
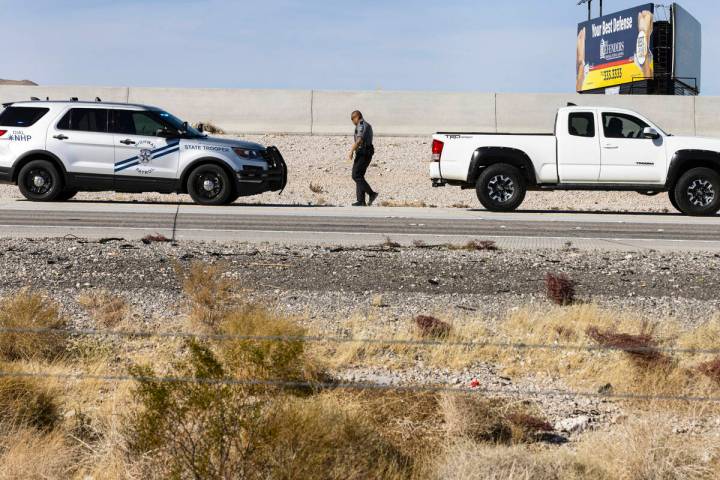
(362, 151)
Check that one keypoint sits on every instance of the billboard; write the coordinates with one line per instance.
(687, 43)
(615, 49)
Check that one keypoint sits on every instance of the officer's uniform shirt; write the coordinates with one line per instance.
(364, 131)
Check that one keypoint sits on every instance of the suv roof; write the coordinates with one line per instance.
(84, 103)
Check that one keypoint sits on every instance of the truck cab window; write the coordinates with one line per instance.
(619, 125)
(582, 124)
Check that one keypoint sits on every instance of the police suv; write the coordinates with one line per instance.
(54, 149)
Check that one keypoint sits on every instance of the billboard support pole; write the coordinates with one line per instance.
(589, 10)
(601, 8)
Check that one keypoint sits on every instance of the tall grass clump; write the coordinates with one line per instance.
(209, 293)
(108, 310)
(31, 310)
(24, 403)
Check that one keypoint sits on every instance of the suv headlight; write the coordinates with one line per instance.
(246, 153)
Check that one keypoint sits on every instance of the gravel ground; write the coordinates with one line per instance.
(377, 288)
(398, 172)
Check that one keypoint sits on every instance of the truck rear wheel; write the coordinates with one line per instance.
(501, 188)
(697, 192)
(40, 181)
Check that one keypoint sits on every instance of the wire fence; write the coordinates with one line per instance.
(427, 388)
(360, 386)
(368, 340)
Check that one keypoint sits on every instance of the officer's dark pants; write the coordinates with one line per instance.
(363, 157)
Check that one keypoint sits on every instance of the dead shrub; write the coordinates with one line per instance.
(209, 127)
(316, 188)
(560, 289)
(106, 309)
(210, 294)
(156, 238)
(711, 369)
(25, 404)
(476, 246)
(431, 327)
(491, 420)
(642, 348)
(31, 310)
(389, 243)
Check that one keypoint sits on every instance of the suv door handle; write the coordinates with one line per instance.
(61, 137)
(127, 141)
(610, 147)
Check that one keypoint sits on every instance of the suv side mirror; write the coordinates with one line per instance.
(166, 133)
(651, 133)
(200, 127)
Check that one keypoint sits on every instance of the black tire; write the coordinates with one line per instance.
(501, 188)
(671, 196)
(66, 195)
(210, 184)
(697, 192)
(40, 181)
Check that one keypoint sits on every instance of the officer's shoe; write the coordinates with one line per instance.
(359, 204)
(373, 197)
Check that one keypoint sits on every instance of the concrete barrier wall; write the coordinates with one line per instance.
(308, 112)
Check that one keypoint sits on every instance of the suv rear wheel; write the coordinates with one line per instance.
(501, 188)
(697, 192)
(210, 185)
(40, 181)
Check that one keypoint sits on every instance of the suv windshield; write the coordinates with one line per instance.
(178, 124)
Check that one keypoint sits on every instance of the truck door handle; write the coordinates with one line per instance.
(61, 137)
(610, 147)
(127, 141)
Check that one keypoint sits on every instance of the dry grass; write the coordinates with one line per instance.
(27, 454)
(267, 359)
(108, 310)
(155, 238)
(491, 420)
(27, 403)
(643, 449)
(210, 295)
(405, 203)
(31, 310)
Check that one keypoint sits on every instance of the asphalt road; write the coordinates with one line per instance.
(334, 225)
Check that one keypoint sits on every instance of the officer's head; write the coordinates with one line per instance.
(356, 117)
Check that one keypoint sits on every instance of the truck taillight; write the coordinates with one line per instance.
(2, 132)
(437, 148)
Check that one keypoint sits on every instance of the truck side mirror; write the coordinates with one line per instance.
(200, 127)
(651, 133)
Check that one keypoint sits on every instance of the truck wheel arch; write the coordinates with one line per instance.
(36, 155)
(202, 161)
(485, 156)
(684, 160)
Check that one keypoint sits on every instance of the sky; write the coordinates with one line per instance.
(433, 45)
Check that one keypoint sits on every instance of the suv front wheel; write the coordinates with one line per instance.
(210, 185)
(501, 188)
(697, 192)
(40, 181)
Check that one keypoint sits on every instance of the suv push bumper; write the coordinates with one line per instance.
(255, 180)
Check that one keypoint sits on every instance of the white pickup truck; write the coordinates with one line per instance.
(593, 148)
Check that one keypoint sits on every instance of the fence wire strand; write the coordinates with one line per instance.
(357, 386)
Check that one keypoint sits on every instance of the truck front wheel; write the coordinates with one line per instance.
(697, 192)
(501, 188)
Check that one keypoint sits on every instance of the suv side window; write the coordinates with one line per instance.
(582, 124)
(85, 120)
(619, 125)
(21, 116)
(134, 122)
